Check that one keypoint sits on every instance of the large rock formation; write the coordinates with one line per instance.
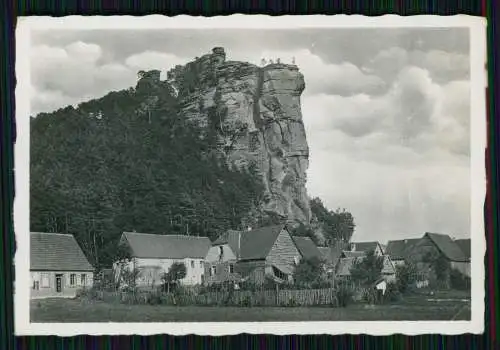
(256, 112)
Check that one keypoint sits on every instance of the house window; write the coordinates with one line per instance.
(280, 274)
(45, 282)
(201, 263)
(192, 264)
(36, 285)
(83, 279)
(212, 270)
(72, 279)
(231, 268)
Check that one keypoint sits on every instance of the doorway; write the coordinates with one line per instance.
(59, 284)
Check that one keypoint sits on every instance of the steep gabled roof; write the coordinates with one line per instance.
(388, 267)
(349, 254)
(401, 249)
(145, 245)
(230, 237)
(333, 253)
(307, 248)
(56, 252)
(465, 246)
(251, 245)
(447, 247)
(345, 264)
(365, 246)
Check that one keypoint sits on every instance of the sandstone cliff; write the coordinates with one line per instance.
(256, 112)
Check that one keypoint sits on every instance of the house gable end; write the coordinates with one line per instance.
(283, 253)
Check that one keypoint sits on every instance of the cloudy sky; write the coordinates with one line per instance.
(386, 110)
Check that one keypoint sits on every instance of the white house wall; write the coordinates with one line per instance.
(43, 283)
(194, 270)
(213, 255)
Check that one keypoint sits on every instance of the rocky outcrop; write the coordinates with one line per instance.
(257, 115)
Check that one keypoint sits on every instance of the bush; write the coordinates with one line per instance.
(372, 296)
(291, 302)
(154, 299)
(459, 281)
(405, 276)
(89, 293)
(392, 293)
(246, 301)
(343, 296)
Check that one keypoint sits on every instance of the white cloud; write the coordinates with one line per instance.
(384, 138)
(320, 77)
(415, 112)
(388, 158)
(73, 74)
(442, 65)
(393, 200)
(154, 60)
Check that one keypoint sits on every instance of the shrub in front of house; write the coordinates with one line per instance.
(343, 295)
(246, 301)
(89, 294)
(459, 281)
(392, 293)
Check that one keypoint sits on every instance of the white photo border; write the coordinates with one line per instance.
(25, 25)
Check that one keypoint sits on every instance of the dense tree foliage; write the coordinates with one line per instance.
(405, 276)
(128, 162)
(367, 270)
(336, 225)
(309, 271)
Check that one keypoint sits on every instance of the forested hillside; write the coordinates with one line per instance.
(117, 164)
(131, 161)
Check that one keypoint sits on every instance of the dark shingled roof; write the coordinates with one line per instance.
(365, 246)
(349, 254)
(447, 246)
(401, 249)
(251, 245)
(56, 252)
(464, 245)
(307, 248)
(146, 245)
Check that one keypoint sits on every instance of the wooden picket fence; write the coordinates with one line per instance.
(283, 298)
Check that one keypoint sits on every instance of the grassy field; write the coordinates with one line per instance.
(412, 309)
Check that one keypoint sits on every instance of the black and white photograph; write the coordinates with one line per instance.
(307, 174)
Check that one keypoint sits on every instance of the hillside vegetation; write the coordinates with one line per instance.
(129, 162)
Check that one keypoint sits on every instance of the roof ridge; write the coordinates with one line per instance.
(165, 235)
(53, 233)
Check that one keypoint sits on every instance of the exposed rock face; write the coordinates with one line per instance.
(257, 114)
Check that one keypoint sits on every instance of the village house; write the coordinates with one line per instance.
(252, 255)
(152, 255)
(221, 259)
(58, 266)
(343, 269)
(434, 244)
(332, 254)
(465, 246)
(307, 249)
(365, 247)
(400, 251)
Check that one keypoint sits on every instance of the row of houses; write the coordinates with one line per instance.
(60, 268)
